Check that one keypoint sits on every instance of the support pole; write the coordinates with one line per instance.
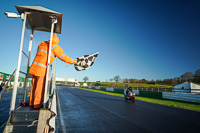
(54, 78)
(46, 95)
(29, 58)
(14, 94)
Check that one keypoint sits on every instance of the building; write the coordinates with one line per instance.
(187, 87)
(4, 77)
(66, 79)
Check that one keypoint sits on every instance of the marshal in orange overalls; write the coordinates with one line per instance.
(39, 67)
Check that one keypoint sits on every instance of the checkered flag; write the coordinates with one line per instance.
(85, 62)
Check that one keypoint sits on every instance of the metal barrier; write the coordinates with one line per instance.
(180, 90)
(182, 97)
(158, 89)
(178, 95)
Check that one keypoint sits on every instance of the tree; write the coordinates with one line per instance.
(85, 79)
(111, 79)
(126, 80)
(188, 76)
(197, 76)
(143, 81)
(197, 73)
(117, 78)
(133, 80)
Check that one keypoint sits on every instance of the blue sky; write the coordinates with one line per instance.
(151, 39)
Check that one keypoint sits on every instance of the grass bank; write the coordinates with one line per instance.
(174, 103)
(125, 84)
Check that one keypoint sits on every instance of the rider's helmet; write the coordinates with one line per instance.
(129, 88)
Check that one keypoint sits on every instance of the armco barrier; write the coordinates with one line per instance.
(120, 91)
(154, 94)
(97, 88)
(136, 92)
(110, 89)
(102, 88)
(182, 97)
(151, 94)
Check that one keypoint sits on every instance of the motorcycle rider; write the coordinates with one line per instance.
(128, 89)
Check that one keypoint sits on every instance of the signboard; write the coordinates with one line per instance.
(1, 75)
(7, 77)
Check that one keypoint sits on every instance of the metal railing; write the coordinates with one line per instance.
(1, 93)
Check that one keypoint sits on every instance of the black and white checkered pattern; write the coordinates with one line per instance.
(85, 62)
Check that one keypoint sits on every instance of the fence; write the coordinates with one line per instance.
(151, 93)
(186, 90)
(182, 97)
(158, 89)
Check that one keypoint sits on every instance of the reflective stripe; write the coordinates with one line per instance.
(54, 47)
(72, 61)
(39, 64)
(42, 50)
(61, 55)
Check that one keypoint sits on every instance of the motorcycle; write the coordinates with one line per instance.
(130, 96)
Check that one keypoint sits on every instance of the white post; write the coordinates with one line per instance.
(54, 78)
(46, 95)
(14, 94)
(29, 58)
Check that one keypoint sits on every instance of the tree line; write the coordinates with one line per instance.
(186, 77)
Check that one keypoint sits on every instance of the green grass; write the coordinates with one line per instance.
(155, 85)
(130, 84)
(174, 103)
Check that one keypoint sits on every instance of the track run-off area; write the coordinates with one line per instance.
(87, 111)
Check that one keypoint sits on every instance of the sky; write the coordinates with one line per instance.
(142, 39)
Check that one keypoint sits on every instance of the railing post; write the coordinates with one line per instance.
(46, 95)
(54, 78)
(29, 58)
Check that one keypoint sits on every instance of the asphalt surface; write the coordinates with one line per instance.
(84, 111)
(4, 109)
(5, 106)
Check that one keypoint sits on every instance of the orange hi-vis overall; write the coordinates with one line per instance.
(39, 67)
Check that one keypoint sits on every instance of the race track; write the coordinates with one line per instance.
(4, 109)
(87, 112)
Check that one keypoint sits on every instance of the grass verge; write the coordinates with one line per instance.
(174, 103)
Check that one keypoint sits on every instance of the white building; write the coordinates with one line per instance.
(187, 87)
(67, 79)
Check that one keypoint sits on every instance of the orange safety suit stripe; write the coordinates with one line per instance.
(58, 51)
